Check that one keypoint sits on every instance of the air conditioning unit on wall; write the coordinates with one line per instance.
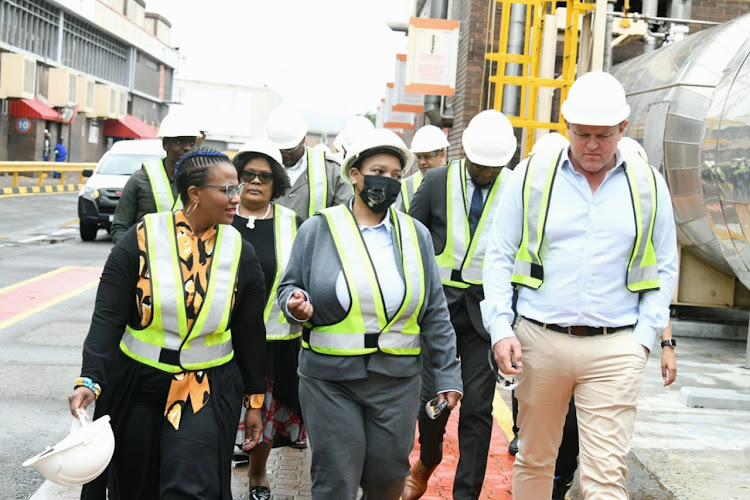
(18, 76)
(85, 95)
(62, 87)
(102, 100)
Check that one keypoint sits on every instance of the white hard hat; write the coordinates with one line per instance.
(177, 125)
(551, 141)
(489, 140)
(79, 458)
(321, 146)
(353, 128)
(286, 127)
(427, 139)
(377, 139)
(596, 98)
(261, 145)
(630, 145)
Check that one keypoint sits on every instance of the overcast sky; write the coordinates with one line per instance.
(330, 58)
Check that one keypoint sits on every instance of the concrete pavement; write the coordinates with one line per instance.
(678, 452)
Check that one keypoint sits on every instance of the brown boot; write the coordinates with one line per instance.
(416, 481)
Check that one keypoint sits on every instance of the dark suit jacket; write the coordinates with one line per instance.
(429, 207)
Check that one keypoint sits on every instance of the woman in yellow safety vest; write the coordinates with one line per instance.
(271, 229)
(176, 339)
(362, 278)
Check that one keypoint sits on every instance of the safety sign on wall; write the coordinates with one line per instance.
(23, 125)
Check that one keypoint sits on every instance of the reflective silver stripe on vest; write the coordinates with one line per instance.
(478, 246)
(284, 229)
(534, 218)
(211, 318)
(160, 186)
(317, 179)
(459, 224)
(646, 185)
(392, 337)
(166, 293)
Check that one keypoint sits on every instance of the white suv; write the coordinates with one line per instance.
(101, 192)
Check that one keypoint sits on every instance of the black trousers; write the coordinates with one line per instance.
(475, 419)
(567, 455)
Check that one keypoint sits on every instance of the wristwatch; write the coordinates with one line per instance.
(668, 343)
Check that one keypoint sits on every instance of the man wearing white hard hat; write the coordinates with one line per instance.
(152, 189)
(354, 127)
(430, 148)
(316, 180)
(458, 203)
(587, 235)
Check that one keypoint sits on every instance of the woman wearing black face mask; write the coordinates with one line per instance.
(362, 278)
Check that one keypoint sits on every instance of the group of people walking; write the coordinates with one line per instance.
(302, 297)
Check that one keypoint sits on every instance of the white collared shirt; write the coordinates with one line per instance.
(588, 240)
(298, 169)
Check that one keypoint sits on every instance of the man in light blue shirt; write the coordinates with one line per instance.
(588, 237)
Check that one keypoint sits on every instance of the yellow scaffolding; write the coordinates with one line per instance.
(530, 81)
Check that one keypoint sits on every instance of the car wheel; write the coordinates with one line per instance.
(88, 231)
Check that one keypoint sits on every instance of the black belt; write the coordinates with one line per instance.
(580, 331)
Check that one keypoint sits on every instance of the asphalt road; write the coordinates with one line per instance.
(40, 347)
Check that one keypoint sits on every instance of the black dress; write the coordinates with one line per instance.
(282, 420)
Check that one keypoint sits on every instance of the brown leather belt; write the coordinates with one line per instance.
(580, 331)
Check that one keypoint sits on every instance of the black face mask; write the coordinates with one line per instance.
(379, 192)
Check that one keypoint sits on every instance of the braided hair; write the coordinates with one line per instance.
(193, 168)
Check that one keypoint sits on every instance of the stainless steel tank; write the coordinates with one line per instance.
(690, 108)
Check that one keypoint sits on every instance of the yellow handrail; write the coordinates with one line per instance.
(43, 167)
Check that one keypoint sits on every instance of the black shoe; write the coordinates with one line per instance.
(300, 445)
(561, 485)
(260, 493)
(513, 446)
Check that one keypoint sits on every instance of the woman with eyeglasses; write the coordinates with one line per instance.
(271, 229)
(176, 339)
(362, 277)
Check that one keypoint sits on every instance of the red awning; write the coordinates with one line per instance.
(32, 108)
(129, 127)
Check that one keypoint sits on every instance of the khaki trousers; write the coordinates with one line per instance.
(604, 372)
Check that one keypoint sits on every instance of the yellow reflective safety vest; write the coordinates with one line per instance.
(284, 232)
(462, 259)
(166, 343)
(642, 273)
(157, 176)
(409, 186)
(317, 179)
(366, 327)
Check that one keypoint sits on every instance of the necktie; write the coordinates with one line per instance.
(475, 209)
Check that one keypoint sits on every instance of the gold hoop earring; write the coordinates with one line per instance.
(189, 210)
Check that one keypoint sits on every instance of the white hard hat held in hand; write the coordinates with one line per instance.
(596, 99)
(489, 139)
(427, 139)
(79, 458)
(286, 127)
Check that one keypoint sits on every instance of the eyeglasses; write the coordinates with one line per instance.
(434, 409)
(263, 177)
(506, 381)
(428, 156)
(230, 190)
(485, 167)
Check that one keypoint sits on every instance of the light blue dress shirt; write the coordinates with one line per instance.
(587, 245)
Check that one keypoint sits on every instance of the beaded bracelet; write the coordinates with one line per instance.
(88, 384)
(253, 401)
